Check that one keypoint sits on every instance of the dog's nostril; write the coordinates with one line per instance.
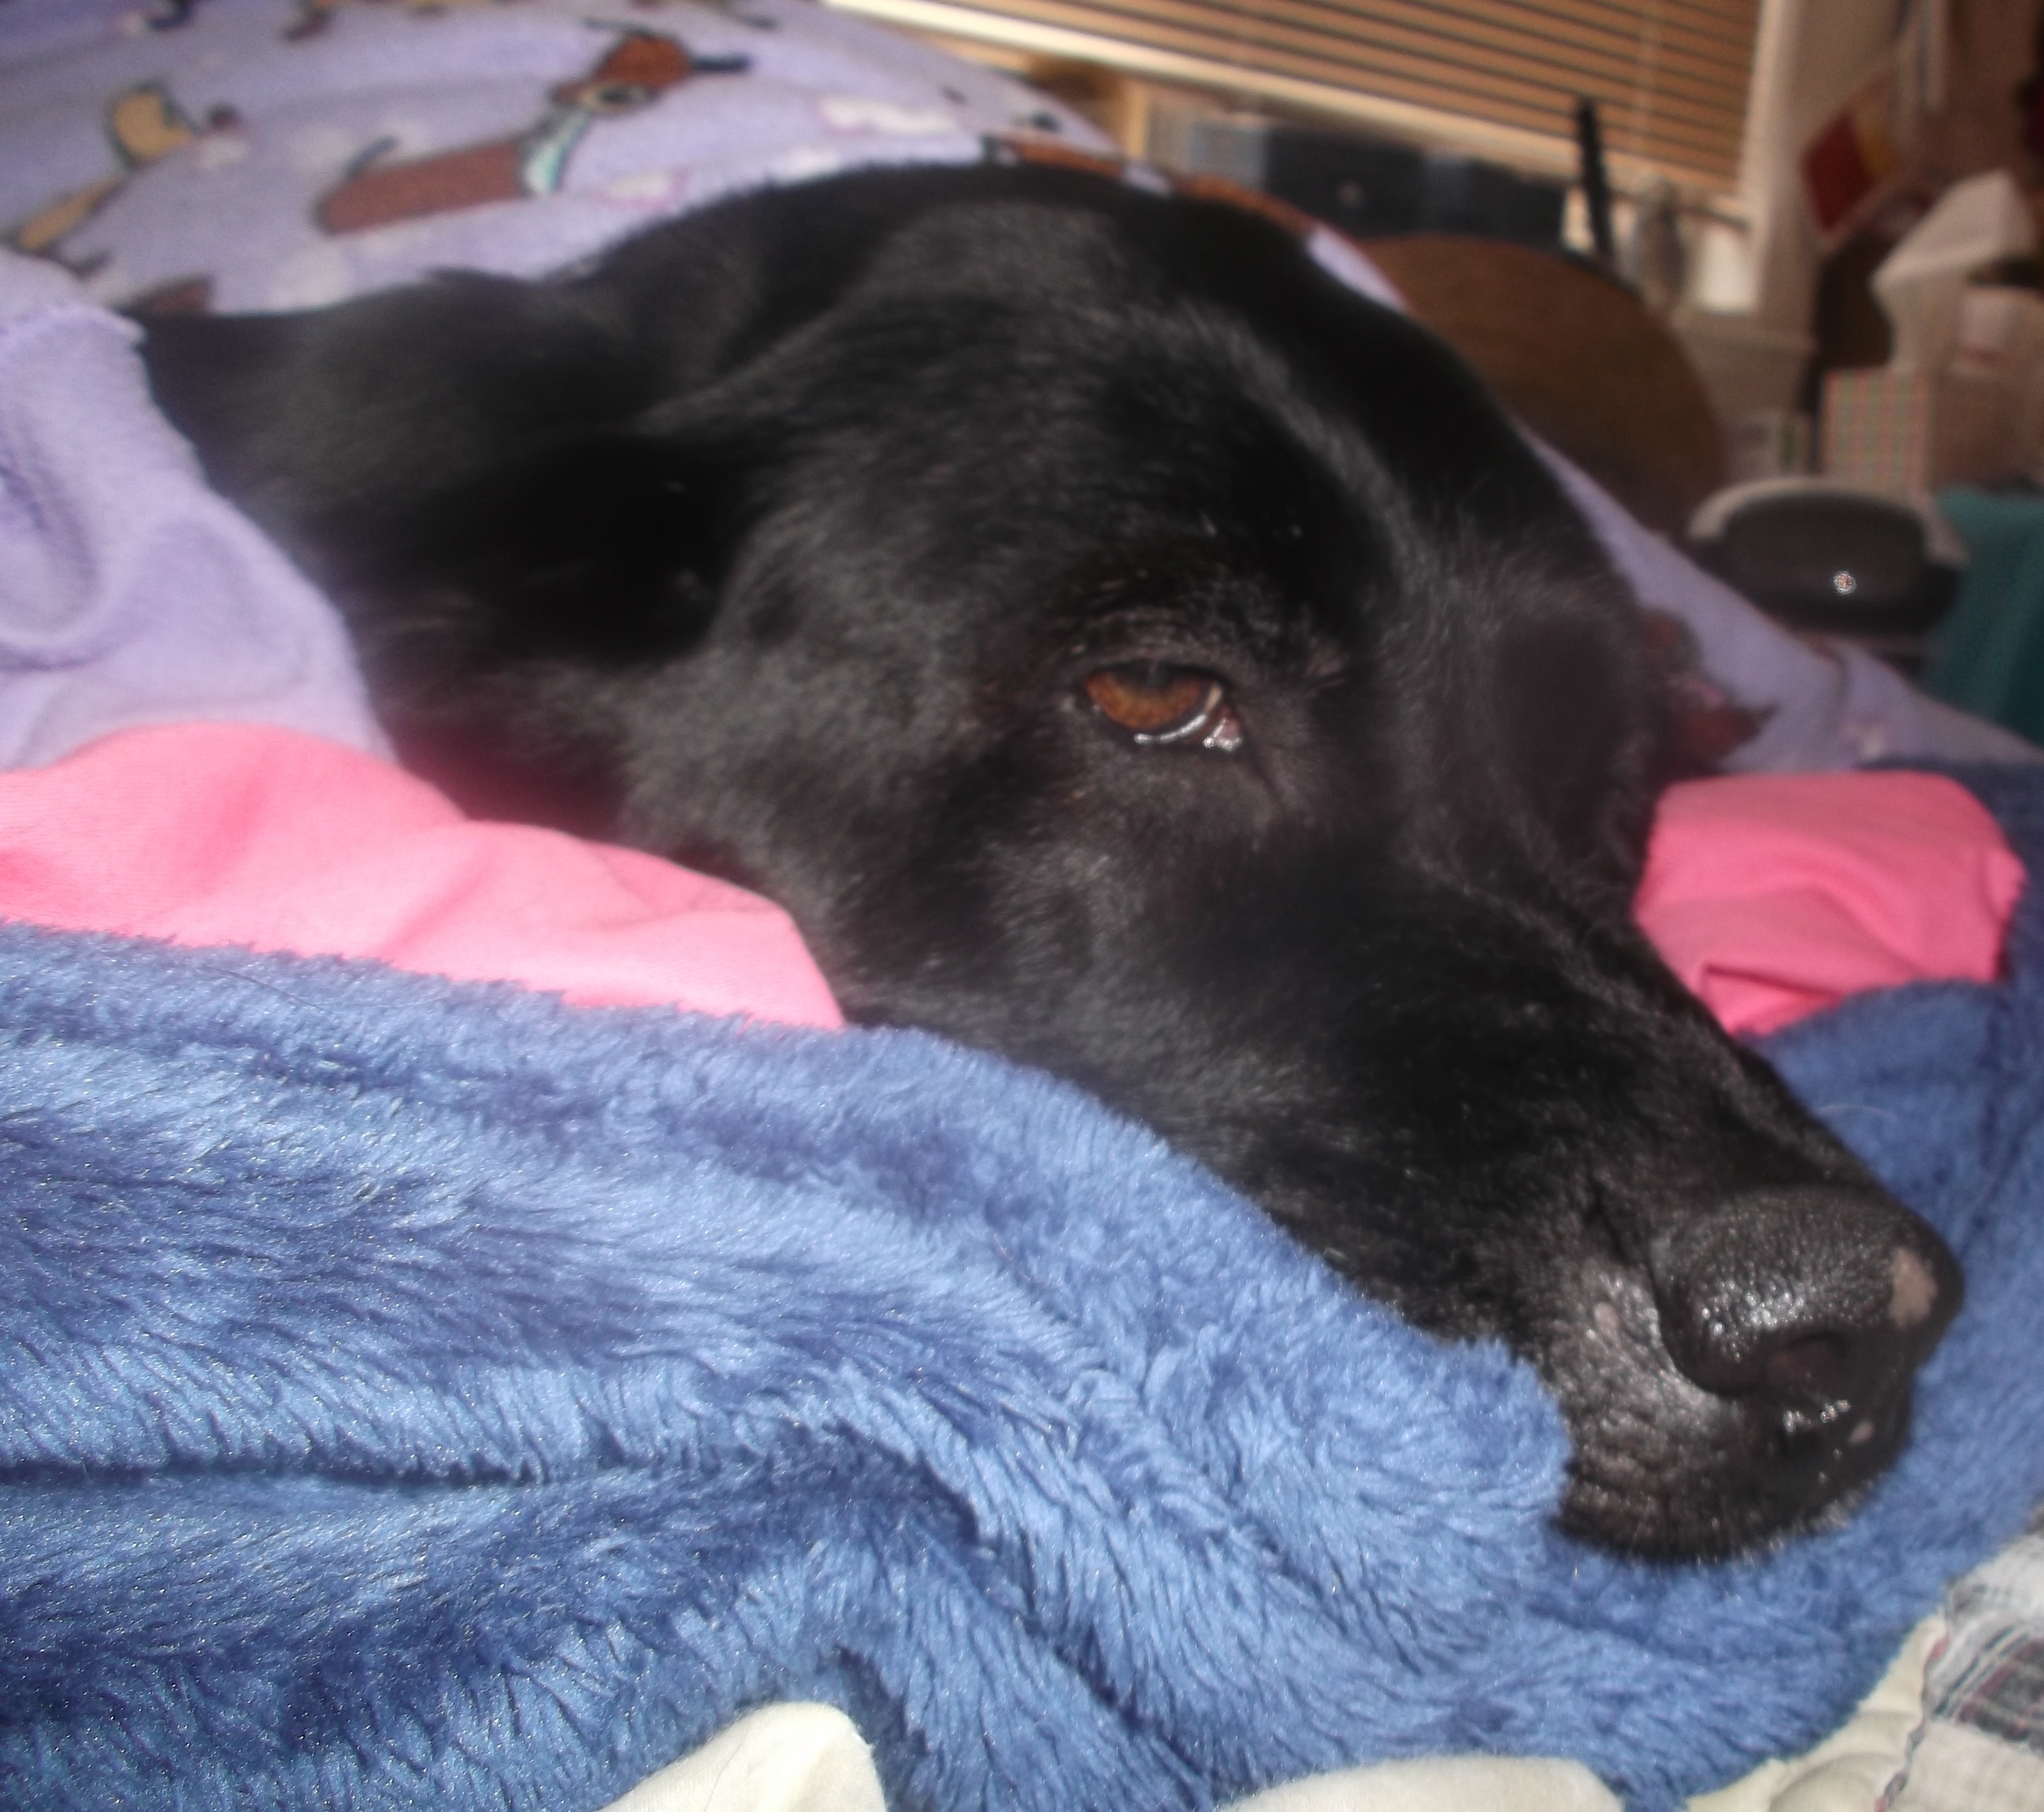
(1818, 1366)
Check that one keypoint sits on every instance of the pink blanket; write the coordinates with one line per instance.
(245, 834)
(1771, 896)
(1774, 895)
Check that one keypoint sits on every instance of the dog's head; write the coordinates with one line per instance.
(1122, 647)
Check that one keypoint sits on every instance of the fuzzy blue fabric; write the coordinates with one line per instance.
(421, 1393)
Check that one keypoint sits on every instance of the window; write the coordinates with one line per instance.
(1496, 78)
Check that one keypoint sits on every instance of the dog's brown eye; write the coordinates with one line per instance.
(1159, 704)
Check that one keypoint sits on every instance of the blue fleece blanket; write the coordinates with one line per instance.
(414, 1392)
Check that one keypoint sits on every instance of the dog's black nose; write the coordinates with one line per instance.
(1818, 1300)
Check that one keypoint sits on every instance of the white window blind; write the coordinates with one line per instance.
(1669, 77)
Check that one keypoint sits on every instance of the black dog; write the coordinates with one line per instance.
(1121, 646)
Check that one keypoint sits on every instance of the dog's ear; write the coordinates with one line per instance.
(459, 461)
(604, 549)
(331, 414)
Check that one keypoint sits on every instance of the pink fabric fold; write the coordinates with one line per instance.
(1770, 896)
(249, 835)
(1773, 896)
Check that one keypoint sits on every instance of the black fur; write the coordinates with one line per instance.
(787, 541)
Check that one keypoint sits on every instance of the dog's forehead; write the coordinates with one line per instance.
(1062, 465)
(1165, 356)
(1049, 418)
(1017, 249)
(1155, 492)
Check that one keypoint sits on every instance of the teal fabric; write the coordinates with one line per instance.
(1988, 655)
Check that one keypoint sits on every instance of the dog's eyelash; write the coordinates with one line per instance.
(1161, 706)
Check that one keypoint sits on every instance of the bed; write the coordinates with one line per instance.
(440, 1371)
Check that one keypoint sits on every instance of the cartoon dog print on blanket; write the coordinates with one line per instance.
(143, 123)
(312, 16)
(639, 69)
